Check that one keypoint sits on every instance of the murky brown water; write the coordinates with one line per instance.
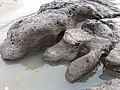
(32, 73)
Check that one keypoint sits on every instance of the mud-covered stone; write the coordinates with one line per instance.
(110, 29)
(90, 46)
(96, 37)
(83, 46)
(112, 61)
(62, 51)
(31, 33)
(85, 64)
(75, 43)
(69, 48)
(106, 28)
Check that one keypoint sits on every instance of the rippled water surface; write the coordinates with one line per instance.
(32, 73)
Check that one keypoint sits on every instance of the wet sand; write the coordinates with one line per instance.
(32, 73)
